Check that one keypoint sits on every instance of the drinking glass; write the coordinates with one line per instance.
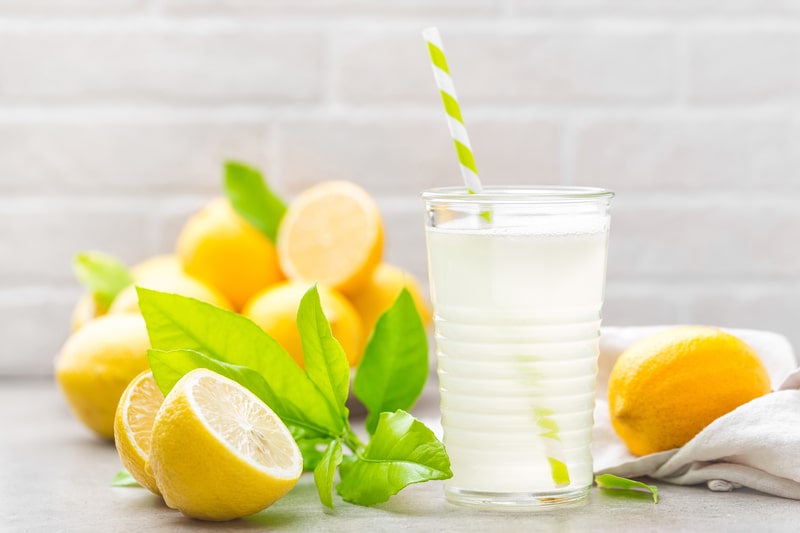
(517, 276)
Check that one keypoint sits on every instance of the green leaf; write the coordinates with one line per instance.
(625, 486)
(178, 323)
(123, 478)
(249, 195)
(394, 368)
(170, 366)
(312, 449)
(402, 451)
(103, 274)
(325, 470)
(325, 361)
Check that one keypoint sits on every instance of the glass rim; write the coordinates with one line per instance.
(514, 194)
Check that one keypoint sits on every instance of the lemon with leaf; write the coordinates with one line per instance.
(220, 248)
(275, 311)
(127, 301)
(381, 290)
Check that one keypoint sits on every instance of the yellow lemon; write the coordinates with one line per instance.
(220, 248)
(332, 233)
(158, 265)
(275, 311)
(96, 364)
(218, 452)
(86, 310)
(667, 387)
(381, 291)
(133, 427)
(127, 301)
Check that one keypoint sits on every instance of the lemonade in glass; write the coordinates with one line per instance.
(517, 277)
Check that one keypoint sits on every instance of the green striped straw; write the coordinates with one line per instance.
(455, 121)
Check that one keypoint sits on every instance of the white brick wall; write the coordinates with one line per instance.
(115, 116)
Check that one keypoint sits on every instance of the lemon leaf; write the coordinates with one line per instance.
(178, 323)
(186, 334)
(402, 451)
(312, 449)
(250, 196)
(634, 488)
(123, 478)
(394, 368)
(101, 273)
(170, 366)
(325, 361)
(325, 470)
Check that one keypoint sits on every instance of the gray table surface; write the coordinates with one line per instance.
(55, 476)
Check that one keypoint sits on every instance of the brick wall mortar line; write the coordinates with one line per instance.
(157, 21)
(662, 287)
(785, 200)
(253, 113)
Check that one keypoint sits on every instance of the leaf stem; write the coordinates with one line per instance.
(351, 440)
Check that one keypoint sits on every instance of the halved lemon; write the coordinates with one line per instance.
(332, 233)
(218, 452)
(133, 427)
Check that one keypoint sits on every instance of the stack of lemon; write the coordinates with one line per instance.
(331, 234)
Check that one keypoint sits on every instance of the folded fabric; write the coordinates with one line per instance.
(756, 445)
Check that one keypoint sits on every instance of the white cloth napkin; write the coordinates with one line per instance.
(757, 445)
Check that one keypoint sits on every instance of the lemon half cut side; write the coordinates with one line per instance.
(218, 452)
(133, 427)
(332, 233)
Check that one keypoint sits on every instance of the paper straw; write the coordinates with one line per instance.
(444, 82)
(553, 448)
(549, 432)
(458, 131)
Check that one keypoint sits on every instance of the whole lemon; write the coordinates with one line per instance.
(156, 266)
(86, 310)
(88, 307)
(96, 364)
(667, 387)
(127, 301)
(381, 290)
(220, 248)
(275, 311)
